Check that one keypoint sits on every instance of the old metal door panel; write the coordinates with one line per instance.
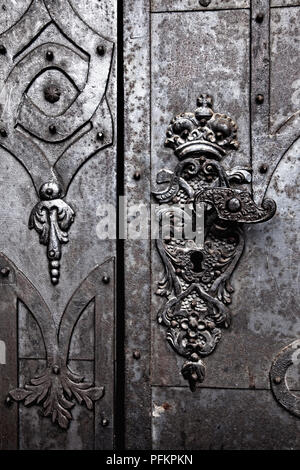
(137, 252)
(284, 37)
(221, 419)
(42, 44)
(185, 5)
(187, 60)
(178, 78)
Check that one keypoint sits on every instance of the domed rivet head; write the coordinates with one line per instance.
(8, 401)
(2, 49)
(263, 168)
(194, 303)
(204, 3)
(100, 136)
(49, 56)
(52, 94)
(52, 129)
(3, 132)
(277, 380)
(259, 18)
(194, 357)
(49, 191)
(234, 204)
(51, 253)
(104, 422)
(105, 279)
(259, 99)
(101, 50)
(5, 271)
(137, 176)
(136, 355)
(55, 370)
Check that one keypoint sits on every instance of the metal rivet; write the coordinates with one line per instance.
(100, 136)
(259, 18)
(259, 99)
(5, 271)
(52, 93)
(137, 176)
(8, 401)
(3, 132)
(136, 354)
(104, 422)
(234, 204)
(263, 168)
(52, 129)
(2, 49)
(51, 253)
(277, 380)
(49, 56)
(49, 191)
(100, 50)
(204, 3)
(105, 279)
(55, 370)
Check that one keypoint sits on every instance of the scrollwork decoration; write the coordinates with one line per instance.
(197, 280)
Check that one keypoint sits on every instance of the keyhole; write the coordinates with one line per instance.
(2, 353)
(196, 259)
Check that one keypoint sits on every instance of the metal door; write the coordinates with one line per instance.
(211, 112)
(58, 164)
(206, 99)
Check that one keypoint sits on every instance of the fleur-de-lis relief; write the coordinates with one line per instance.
(57, 388)
(197, 280)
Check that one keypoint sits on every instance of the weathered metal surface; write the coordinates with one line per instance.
(196, 280)
(286, 358)
(263, 322)
(284, 37)
(77, 69)
(267, 148)
(284, 3)
(55, 387)
(137, 252)
(221, 419)
(94, 185)
(184, 5)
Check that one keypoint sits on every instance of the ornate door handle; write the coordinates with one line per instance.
(196, 283)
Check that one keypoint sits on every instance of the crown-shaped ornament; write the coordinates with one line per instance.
(202, 132)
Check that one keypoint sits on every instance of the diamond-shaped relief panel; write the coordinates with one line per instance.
(52, 92)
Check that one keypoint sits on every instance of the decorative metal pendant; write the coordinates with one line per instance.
(197, 279)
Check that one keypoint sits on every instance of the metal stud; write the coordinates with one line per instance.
(259, 18)
(105, 279)
(55, 370)
(2, 49)
(5, 271)
(277, 380)
(8, 401)
(260, 99)
(3, 132)
(104, 422)
(137, 176)
(101, 50)
(49, 56)
(204, 3)
(52, 129)
(136, 354)
(263, 168)
(100, 136)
